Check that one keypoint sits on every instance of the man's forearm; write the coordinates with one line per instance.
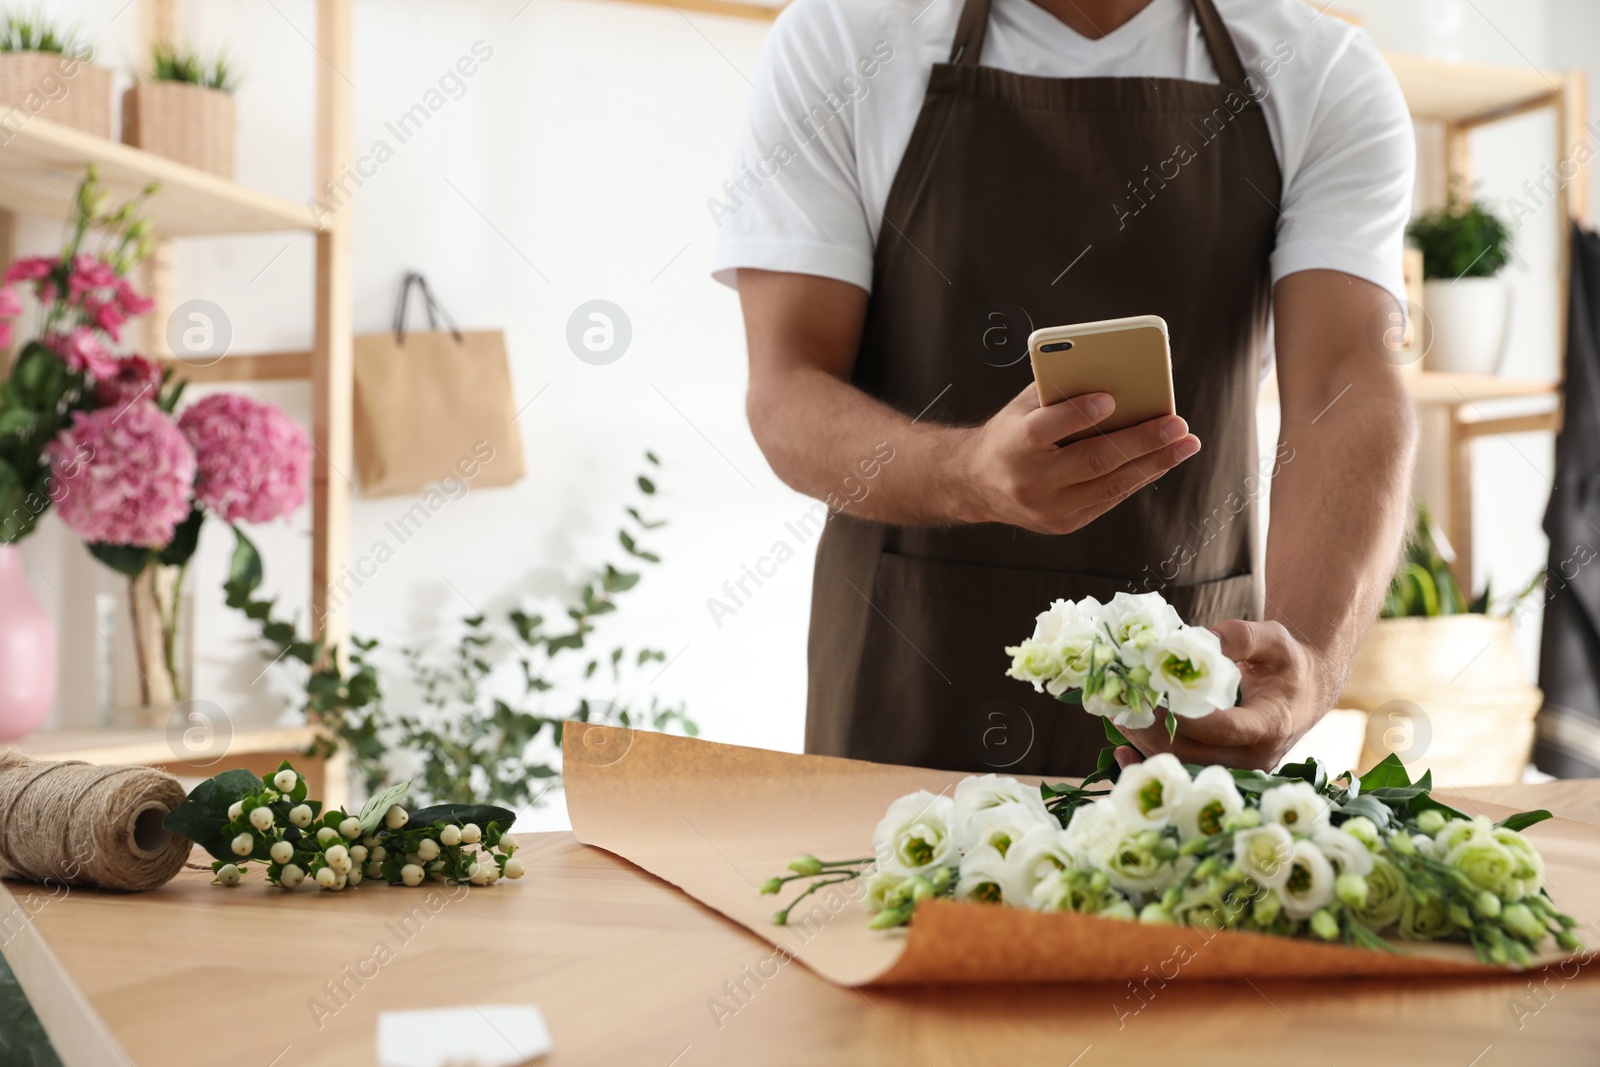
(1338, 510)
(828, 439)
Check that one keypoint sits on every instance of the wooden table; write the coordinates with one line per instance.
(630, 971)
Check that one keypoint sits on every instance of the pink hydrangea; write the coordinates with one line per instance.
(135, 378)
(82, 351)
(253, 460)
(123, 476)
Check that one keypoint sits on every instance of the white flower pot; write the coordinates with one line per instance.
(1468, 322)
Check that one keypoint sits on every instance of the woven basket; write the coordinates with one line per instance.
(187, 123)
(1447, 694)
(53, 87)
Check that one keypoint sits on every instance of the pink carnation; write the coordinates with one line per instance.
(10, 303)
(135, 379)
(89, 274)
(123, 477)
(82, 351)
(30, 269)
(253, 460)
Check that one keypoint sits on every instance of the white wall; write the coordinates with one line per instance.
(576, 165)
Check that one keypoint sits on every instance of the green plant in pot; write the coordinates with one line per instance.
(1464, 248)
(46, 72)
(182, 107)
(1440, 676)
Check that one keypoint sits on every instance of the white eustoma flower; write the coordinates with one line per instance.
(986, 877)
(879, 884)
(915, 835)
(1345, 852)
(976, 793)
(1297, 807)
(1001, 826)
(1111, 702)
(1058, 655)
(1150, 791)
(1458, 832)
(1264, 853)
(1136, 621)
(1041, 853)
(1529, 864)
(1187, 667)
(1309, 886)
(1211, 798)
(1096, 829)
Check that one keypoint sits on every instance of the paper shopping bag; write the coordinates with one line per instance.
(433, 404)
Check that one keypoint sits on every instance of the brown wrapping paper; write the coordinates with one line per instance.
(718, 820)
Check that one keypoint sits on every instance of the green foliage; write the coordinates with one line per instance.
(34, 32)
(1461, 240)
(183, 63)
(474, 734)
(1423, 584)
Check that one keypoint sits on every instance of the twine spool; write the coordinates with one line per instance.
(95, 827)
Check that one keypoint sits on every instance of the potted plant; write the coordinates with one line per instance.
(45, 71)
(1440, 676)
(1464, 247)
(183, 109)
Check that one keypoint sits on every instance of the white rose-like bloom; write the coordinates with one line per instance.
(1211, 798)
(1149, 792)
(977, 793)
(1296, 807)
(1459, 831)
(1001, 827)
(1264, 853)
(1138, 620)
(879, 884)
(1188, 668)
(1309, 886)
(914, 835)
(1530, 865)
(1044, 851)
(1346, 853)
(986, 877)
(1096, 829)
(1058, 655)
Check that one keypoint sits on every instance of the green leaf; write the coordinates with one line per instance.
(130, 560)
(646, 486)
(1388, 773)
(1113, 734)
(244, 569)
(378, 804)
(203, 816)
(185, 539)
(461, 814)
(1524, 819)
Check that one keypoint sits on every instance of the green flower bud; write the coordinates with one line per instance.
(1459, 915)
(1520, 921)
(1431, 821)
(943, 878)
(771, 885)
(1351, 889)
(1155, 914)
(1266, 909)
(1119, 909)
(918, 887)
(1401, 843)
(1324, 925)
(1422, 915)
(806, 865)
(1568, 940)
(889, 917)
(1487, 905)
(1243, 819)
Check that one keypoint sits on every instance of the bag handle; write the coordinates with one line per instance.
(431, 307)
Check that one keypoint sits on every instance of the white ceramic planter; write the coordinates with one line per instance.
(1469, 324)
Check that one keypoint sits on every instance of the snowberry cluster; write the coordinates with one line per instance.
(298, 841)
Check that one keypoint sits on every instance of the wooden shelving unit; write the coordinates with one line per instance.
(1461, 98)
(41, 164)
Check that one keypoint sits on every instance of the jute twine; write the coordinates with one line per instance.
(97, 827)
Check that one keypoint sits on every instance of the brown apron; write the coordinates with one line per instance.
(1024, 202)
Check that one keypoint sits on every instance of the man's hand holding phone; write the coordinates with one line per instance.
(1018, 474)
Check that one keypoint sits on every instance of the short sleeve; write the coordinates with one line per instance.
(1347, 203)
(794, 200)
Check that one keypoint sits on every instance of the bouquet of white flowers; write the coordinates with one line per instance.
(1293, 854)
(1125, 659)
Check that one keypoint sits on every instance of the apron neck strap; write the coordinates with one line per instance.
(968, 44)
(1224, 55)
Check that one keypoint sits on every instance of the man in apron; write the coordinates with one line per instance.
(918, 187)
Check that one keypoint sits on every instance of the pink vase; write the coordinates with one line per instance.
(27, 652)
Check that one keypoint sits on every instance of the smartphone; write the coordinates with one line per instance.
(1127, 358)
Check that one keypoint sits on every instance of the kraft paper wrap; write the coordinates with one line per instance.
(718, 820)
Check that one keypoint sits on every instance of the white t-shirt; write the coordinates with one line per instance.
(840, 83)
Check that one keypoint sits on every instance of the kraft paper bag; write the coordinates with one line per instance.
(718, 820)
(433, 404)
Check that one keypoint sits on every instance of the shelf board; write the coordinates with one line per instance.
(1468, 93)
(260, 367)
(43, 162)
(152, 746)
(1434, 387)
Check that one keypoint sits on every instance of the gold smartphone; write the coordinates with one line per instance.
(1129, 358)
